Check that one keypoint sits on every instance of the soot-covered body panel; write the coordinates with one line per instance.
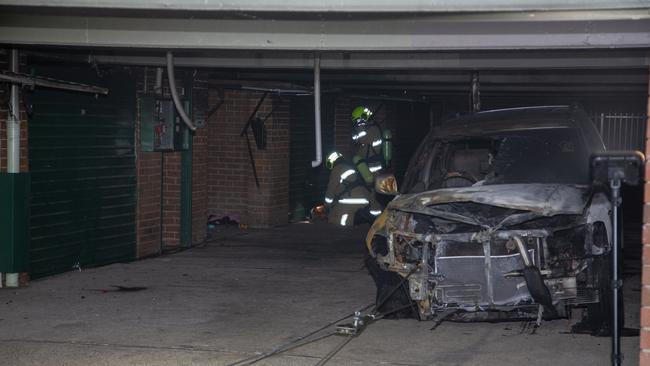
(475, 233)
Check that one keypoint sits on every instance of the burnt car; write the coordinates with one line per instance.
(497, 218)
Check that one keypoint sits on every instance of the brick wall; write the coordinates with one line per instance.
(159, 201)
(148, 223)
(231, 184)
(148, 209)
(200, 107)
(645, 290)
(171, 232)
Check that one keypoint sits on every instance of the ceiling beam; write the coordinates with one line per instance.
(338, 6)
(601, 77)
(502, 88)
(30, 80)
(628, 28)
(385, 61)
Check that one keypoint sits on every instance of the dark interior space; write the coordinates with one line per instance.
(216, 182)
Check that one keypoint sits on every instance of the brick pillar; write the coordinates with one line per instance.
(148, 182)
(645, 290)
(161, 172)
(171, 219)
(148, 210)
(231, 188)
(200, 141)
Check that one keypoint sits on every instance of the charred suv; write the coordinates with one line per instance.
(497, 218)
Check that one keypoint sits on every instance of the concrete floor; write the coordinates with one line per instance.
(248, 292)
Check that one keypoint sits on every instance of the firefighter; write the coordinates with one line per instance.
(374, 143)
(348, 198)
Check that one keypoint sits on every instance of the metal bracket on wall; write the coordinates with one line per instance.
(244, 133)
(30, 80)
(217, 106)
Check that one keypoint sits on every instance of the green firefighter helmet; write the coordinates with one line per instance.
(361, 114)
(332, 158)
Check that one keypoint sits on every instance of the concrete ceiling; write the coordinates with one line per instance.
(106, 24)
(569, 47)
(337, 6)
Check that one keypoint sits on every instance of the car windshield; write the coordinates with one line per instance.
(554, 155)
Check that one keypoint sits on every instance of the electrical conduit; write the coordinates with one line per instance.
(172, 91)
(317, 124)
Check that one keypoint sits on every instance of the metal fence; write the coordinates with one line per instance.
(622, 131)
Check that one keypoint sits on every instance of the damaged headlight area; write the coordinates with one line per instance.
(473, 268)
(379, 245)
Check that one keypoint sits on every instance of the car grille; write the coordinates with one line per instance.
(472, 280)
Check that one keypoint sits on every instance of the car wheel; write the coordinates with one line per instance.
(392, 301)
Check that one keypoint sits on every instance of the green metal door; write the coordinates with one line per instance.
(82, 162)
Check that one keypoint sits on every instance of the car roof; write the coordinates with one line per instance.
(513, 119)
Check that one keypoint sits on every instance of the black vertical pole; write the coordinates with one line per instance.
(616, 167)
(617, 357)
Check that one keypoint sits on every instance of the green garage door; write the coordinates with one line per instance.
(82, 162)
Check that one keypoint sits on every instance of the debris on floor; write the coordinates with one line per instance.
(118, 288)
(224, 223)
(214, 221)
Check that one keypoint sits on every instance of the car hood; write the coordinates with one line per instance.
(542, 199)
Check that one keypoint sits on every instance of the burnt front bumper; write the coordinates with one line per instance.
(478, 271)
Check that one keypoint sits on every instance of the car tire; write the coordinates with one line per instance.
(392, 301)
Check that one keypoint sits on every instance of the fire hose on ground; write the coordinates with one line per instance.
(348, 330)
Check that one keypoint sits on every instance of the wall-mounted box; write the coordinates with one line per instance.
(161, 127)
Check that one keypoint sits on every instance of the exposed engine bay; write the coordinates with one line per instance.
(471, 256)
(487, 229)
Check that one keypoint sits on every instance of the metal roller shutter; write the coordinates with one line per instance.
(82, 162)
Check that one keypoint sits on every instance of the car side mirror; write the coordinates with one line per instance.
(386, 184)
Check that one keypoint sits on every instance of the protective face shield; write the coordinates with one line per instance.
(331, 159)
(361, 115)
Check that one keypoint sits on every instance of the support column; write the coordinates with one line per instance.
(14, 196)
(645, 282)
(13, 121)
